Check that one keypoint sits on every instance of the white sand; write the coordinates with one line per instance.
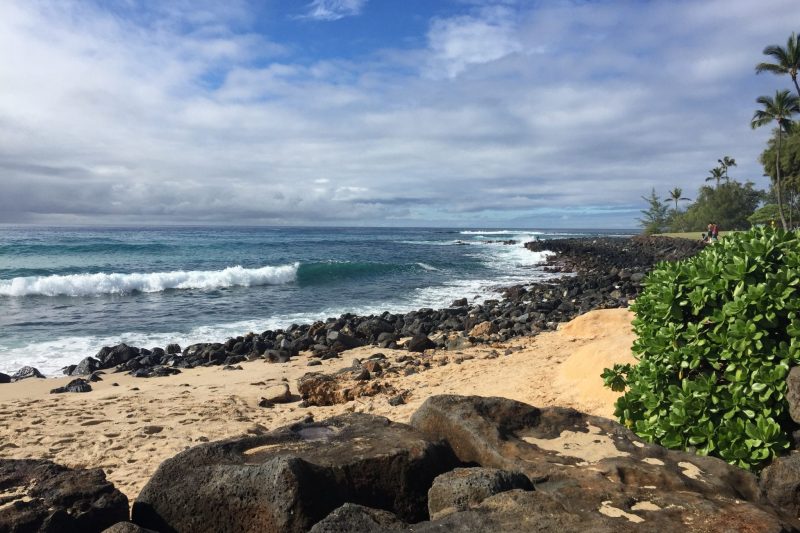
(130, 432)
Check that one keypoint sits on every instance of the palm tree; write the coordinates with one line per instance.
(676, 196)
(780, 109)
(716, 175)
(787, 60)
(725, 163)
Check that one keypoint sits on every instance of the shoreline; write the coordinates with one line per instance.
(607, 273)
(129, 428)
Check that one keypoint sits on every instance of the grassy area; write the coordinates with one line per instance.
(693, 235)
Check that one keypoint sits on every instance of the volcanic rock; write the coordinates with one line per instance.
(793, 393)
(291, 478)
(39, 495)
(420, 343)
(26, 372)
(322, 389)
(591, 468)
(85, 367)
(484, 329)
(467, 487)
(116, 355)
(76, 385)
(780, 482)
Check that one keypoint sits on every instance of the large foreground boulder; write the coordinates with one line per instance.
(594, 471)
(468, 464)
(38, 495)
(289, 479)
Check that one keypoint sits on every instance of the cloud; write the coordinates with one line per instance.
(462, 41)
(334, 9)
(506, 114)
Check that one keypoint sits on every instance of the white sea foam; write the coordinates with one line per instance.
(499, 232)
(426, 266)
(101, 283)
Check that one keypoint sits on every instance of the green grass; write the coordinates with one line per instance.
(693, 235)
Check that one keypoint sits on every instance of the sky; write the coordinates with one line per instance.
(465, 113)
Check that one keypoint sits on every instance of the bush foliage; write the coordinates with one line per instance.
(717, 335)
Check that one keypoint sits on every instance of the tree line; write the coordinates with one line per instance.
(734, 205)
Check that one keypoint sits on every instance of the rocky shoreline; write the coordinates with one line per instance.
(462, 463)
(603, 273)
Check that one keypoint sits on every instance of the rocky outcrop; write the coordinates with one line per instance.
(289, 479)
(466, 464)
(38, 495)
(626, 256)
(594, 471)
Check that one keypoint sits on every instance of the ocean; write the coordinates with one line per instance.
(67, 291)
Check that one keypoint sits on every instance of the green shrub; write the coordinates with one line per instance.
(717, 335)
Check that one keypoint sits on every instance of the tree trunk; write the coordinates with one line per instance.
(778, 177)
(794, 79)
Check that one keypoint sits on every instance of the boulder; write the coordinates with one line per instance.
(484, 329)
(461, 302)
(463, 488)
(4, 378)
(116, 355)
(76, 385)
(39, 495)
(322, 389)
(278, 393)
(154, 372)
(26, 372)
(420, 343)
(373, 328)
(354, 518)
(780, 482)
(793, 393)
(594, 470)
(85, 367)
(291, 478)
(339, 341)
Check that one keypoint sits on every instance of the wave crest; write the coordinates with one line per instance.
(97, 284)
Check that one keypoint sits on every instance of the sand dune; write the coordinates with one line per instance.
(129, 428)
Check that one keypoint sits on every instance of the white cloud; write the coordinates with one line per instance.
(459, 42)
(334, 9)
(107, 119)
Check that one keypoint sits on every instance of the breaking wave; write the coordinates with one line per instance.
(101, 283)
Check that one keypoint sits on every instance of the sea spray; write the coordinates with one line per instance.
(101, 283)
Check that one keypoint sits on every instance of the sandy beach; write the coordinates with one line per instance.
(128, 426)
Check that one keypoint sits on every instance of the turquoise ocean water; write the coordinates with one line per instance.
(66, 292)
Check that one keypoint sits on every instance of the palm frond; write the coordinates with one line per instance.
(770, 67)
(776, 51)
